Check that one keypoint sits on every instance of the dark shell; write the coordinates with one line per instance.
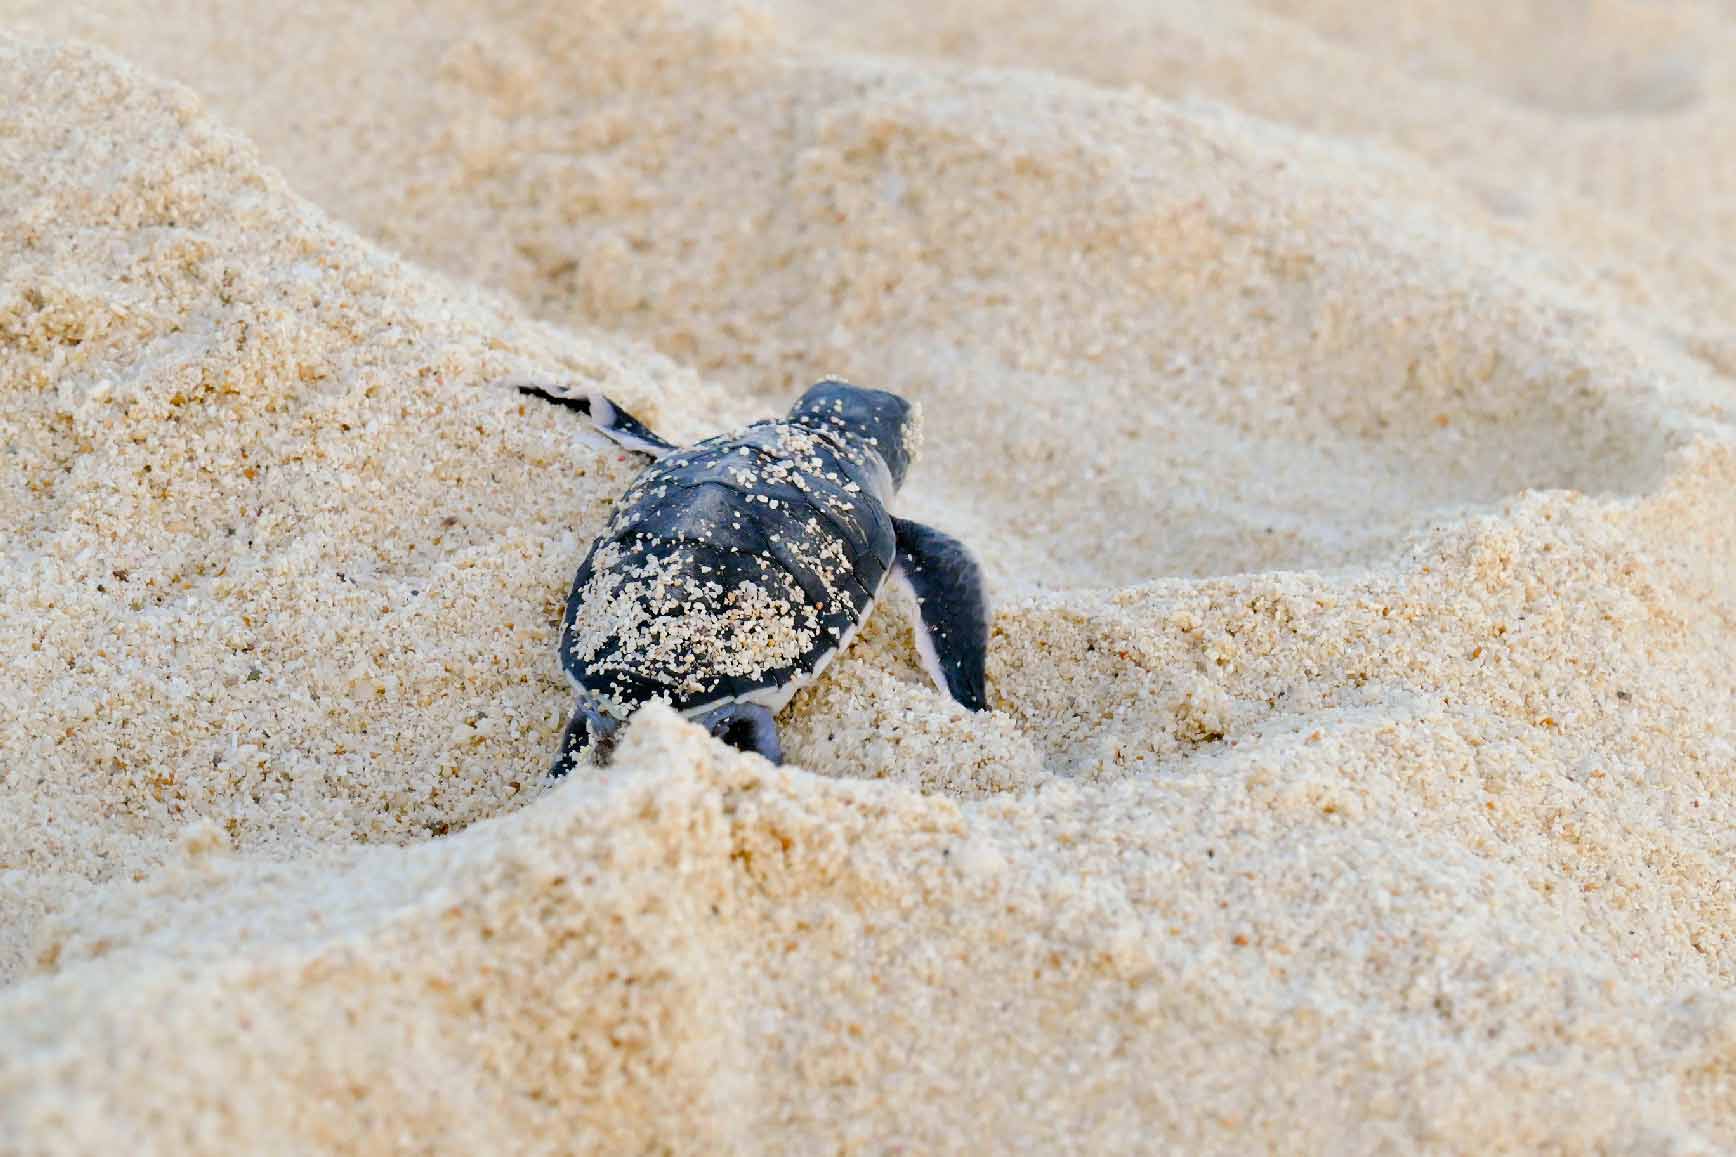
(728, 570)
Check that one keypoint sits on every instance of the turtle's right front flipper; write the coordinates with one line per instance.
(610, 420)
(952, 631)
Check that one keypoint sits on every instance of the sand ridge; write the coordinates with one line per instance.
(1360, 769)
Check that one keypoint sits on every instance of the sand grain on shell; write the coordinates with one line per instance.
(656, 614)
(1342, 407)
(664, 620)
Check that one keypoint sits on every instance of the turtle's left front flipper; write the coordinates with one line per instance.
(952, 631)
(610, 420)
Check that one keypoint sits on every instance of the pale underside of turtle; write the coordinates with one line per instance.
(733, 571)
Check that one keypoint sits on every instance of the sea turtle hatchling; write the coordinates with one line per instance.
(732, 571)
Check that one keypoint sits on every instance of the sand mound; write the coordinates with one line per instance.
(1353, 453)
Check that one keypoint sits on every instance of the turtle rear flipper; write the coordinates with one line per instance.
(610, 420)
(588, 725)
(952, 621)
(745, 727)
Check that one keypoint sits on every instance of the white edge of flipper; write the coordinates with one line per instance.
(925, 650)
(602, 414)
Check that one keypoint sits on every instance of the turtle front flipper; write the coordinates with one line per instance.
(745, 727)
(952, 620)
(611, 420)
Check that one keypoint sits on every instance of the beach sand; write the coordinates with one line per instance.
(1341, 398)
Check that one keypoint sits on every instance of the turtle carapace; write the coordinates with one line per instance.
(732, 571)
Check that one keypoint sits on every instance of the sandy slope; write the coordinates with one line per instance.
(1344, 407)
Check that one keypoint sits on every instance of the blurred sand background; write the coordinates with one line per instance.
(1342, 398)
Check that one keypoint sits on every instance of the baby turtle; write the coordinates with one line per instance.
(731, 572)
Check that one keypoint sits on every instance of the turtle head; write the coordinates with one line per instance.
(872, 420)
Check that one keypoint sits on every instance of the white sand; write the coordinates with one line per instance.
(1342, 401)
